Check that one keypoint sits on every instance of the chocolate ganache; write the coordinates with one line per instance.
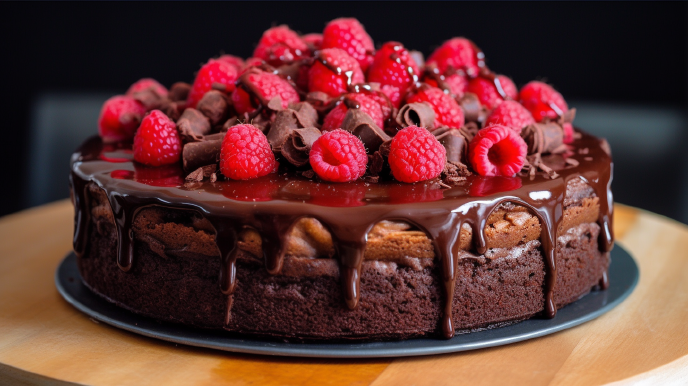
(272, 205)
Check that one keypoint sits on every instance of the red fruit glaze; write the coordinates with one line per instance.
(497, 151)
(215, 71)
(280, 45)
(119, 118)
(542, 101)
(338, 156)
(146, 83)
(416, 155)
(246, 153)
(349, 35)
(333, 72)
(157, 142)
(268, 86)
(333, 120)
(458, 54)
(393, 67)
(487, 92)
(232, 60)
(447, 111)
(510, 114)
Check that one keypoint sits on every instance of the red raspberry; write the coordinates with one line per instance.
(280, 45)
(338, 156)
(145, 84)
(313, 41)
(393, 67)
(333, 72)
(568, 132)
(157, 141)
(487, 92)
(119, 118)
(393, 94)
(333, 120)
(447, 111)
(268, 85)
(497, 151)
(455, 84)
(246, 153)
(349, 35)
(385, 103)
(215, 71)
(542, 101)
(458, 54)
(232, 60)
(251, 62)
(416, 155)
(510, 114)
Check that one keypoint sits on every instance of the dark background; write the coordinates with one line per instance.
(623, 65)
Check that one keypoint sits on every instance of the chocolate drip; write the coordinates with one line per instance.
(82, 215)
(336, 69)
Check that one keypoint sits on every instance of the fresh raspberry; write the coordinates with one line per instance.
(280, 45)
(268, 85)
(447, 111)
(251, 62)
(333, 119)
(349, 35)
(458, 54)
(333, 72)
(568, 133)
(313, 41)
(487, 91)
(454, 83)
(157, 141)
(246, 153)
(510, 114)
(145, 84)
(393, 94)
(386, 105)
(497, 151)
(416, 155)
(542, 101)
(393, 67)
(215, 71)
(119, 118)
(232, 60)
(338, 156)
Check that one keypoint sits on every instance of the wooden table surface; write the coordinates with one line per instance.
(43, 340)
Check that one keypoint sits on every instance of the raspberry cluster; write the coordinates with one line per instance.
(332, 105)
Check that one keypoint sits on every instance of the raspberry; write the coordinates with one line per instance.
(232, 60)
(251, 62)
(119, 118)
(157, 141)
(487, 92)
(510, 114)
(268, 85)
(454, 83)
(568, 132)
(497, 151)
(333, 120)
(215, 71)
(542, 101)
(416, 155)
(349, 35)
(246, 153)
(458, 54)
(280, 45)
(313, 41)
(338, 156)
(145, 84)
(333, 72)
(447, 111)
(393, 67)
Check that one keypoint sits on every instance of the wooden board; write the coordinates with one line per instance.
(43, 339)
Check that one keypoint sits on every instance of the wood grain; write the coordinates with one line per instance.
(42, 338)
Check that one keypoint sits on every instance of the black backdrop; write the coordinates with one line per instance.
(630, 52)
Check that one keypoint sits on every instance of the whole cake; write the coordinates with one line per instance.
(323, 189)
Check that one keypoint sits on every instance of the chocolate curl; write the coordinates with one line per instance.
(377, 162)
(149, 98)
(201, 173)
(170, 108)
(193, 125)
(215, 106)
(306, 115)
(454, 173)
(533, 164)
(361, 125)
(544, 138)
(455, 143)
(417, 114)
(298, 144)
(298, 116)
(203, 153)
(473, 111)
(233, 121)
(470, 130)
(275, 104)
(179, 92)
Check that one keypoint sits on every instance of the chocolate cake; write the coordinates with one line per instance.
(424, 236)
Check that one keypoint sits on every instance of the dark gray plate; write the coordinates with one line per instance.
(623, 277)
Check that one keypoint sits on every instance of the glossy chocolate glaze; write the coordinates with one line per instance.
(272, 204)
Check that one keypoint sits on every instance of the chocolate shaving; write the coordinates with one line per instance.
(198, 154)
(544, 138)
(473, 111)
(233, 121)
(470, 130)
(215, 106)
(361, 125)
(298, 144)
(213, 177)
(572, 162)
(193, 125)
(308, 173)
(377, 162)
(298, 116)
(201, 173)
(217, 86)
(455, 142)
(170, 108)
(149, 98)
(275, 104)
(534, 163)
(306, 115)
(371, 179)
(417, 114)
(454, 173)
(261, 122)
(179, 92)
